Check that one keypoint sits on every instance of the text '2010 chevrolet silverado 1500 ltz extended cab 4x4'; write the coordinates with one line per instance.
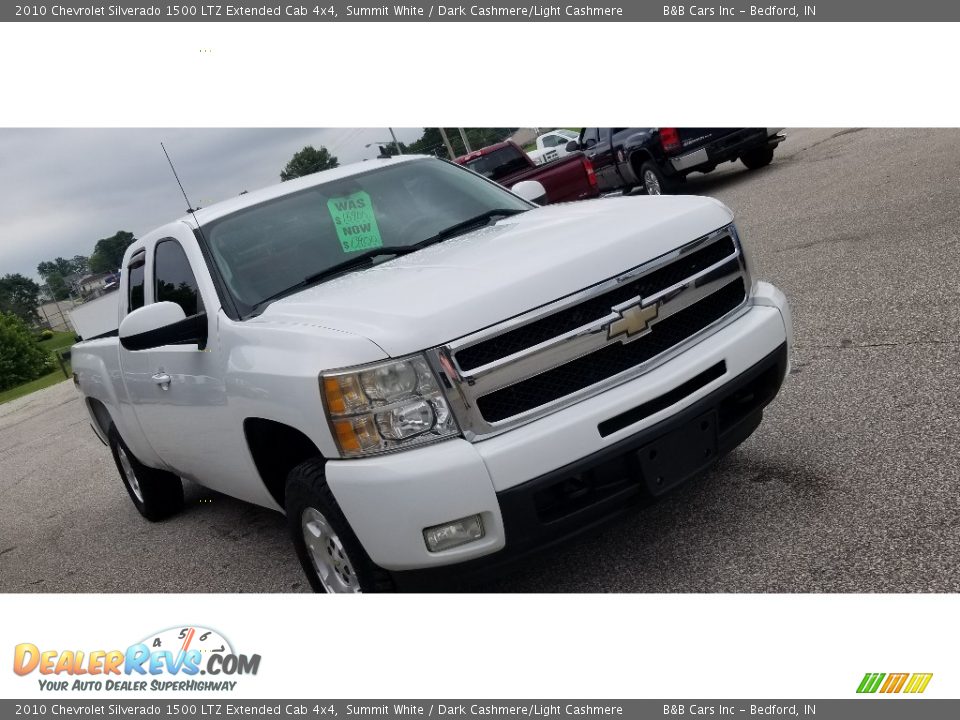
(430, 375)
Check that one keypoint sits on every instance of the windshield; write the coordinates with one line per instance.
(499, 163)
(278, 245)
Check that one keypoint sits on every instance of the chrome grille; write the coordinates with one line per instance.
(594, 308)
(535, 363)
(610, 360)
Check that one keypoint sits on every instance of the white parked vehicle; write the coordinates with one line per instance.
(429, 374)
(552, 146)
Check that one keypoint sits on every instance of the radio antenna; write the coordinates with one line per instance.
(203, 344)
(177, 178)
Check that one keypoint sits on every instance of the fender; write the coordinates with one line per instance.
(635, 144)
(93, 380)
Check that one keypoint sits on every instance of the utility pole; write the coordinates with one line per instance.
(446, 141)
(463, 136)
(394, 136)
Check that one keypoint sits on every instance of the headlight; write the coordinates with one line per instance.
(739, 243)
(387, 406)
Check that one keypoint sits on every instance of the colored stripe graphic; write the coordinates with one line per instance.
(894, 683)
(918, 683)
(870, 682)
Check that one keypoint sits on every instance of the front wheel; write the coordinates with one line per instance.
(157, 494)
(329, 552)
(758, 158)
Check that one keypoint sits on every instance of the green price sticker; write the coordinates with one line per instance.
(355, 222)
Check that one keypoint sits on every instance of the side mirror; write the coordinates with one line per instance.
(531, 190)
(573, 146)
(162, 323)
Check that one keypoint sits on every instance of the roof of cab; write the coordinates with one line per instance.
(255, 197)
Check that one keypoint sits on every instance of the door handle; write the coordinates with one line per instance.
(163, 380)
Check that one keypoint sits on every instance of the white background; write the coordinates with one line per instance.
(478, 74)
(273, 74)
(521, 646)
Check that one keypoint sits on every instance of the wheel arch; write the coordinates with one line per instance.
(102, 419)
(637, 158)
(276, 449)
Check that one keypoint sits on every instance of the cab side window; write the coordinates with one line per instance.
(135, 271)
(590, 137)
(174, 278)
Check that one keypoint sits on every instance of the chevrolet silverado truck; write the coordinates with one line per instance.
(428, 374)
(659, 159)
(565, 179)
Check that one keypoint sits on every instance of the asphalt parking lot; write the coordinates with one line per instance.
(851, 484)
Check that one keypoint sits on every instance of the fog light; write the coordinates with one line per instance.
(453, 534)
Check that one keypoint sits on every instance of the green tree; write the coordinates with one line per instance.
(21, 359)
(108, 252)
(57, 287)
(59, 266)
(431, 142)
(20, 296)
(81, 264)
(55, 272)
(308, 161)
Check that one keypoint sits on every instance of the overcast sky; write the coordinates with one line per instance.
(62, 190)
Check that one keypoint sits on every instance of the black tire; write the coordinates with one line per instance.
(653, 181)
(158, 494)
(758, 158)
(351, 569)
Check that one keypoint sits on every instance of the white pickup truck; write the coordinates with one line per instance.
(430, 375)
(552, 146)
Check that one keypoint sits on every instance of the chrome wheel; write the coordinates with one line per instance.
(330, 560)
(130, 473)
(651, 182)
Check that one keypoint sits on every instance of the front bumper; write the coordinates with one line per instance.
(510, 479)
(595, 490)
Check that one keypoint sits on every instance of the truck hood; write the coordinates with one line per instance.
(470, 282)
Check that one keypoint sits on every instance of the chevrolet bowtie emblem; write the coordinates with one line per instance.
(633, 320)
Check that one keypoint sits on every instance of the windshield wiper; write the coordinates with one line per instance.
(363, 258)
(469, 224)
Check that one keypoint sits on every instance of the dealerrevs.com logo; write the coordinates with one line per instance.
(173, 659)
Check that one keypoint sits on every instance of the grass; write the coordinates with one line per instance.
(59, 341)
(47, 380)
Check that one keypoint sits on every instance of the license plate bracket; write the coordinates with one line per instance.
(679, 454)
